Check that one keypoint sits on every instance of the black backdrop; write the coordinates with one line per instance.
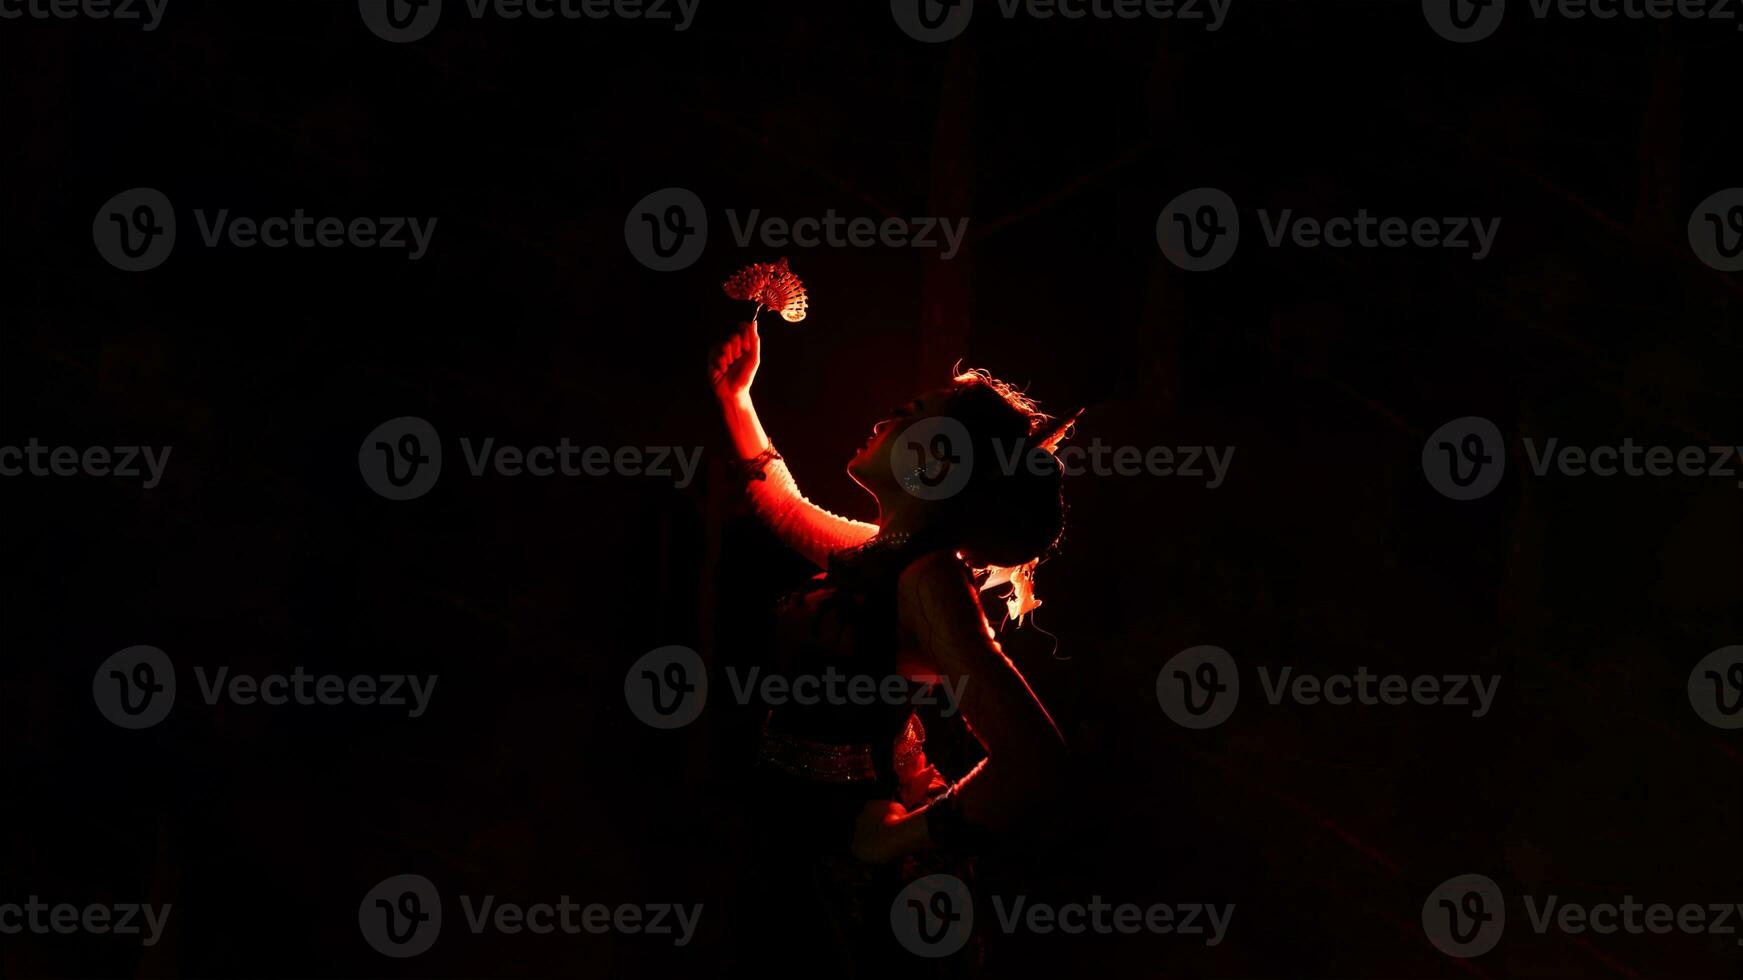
(529, 321)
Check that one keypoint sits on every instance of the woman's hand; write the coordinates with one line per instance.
(885, 831)
(732, 366)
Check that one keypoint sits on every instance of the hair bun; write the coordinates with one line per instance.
(1018, 512)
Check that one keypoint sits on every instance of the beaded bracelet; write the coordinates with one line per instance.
(755, 468)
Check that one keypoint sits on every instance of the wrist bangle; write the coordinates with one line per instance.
(756, 468)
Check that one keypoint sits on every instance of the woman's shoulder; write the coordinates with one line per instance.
(939, 610)
(933, 570)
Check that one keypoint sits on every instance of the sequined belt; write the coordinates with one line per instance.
(830, 762)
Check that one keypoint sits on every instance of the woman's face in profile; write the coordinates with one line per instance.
(873, 467)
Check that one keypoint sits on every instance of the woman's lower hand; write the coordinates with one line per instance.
(886, 831)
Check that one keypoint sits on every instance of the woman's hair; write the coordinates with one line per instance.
(1012, 511)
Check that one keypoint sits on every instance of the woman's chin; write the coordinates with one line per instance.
(863, 470)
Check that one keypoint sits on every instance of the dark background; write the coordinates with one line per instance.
(529, 321)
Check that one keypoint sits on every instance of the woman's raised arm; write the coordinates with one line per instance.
(800, 524)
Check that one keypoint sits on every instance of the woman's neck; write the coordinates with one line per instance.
(898, 521)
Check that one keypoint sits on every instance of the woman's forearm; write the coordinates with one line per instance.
(801, 525)
(1013, 796)
(743, 426)
(1002, 800)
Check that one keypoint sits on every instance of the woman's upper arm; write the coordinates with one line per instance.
(800, 524)
(941, 615)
